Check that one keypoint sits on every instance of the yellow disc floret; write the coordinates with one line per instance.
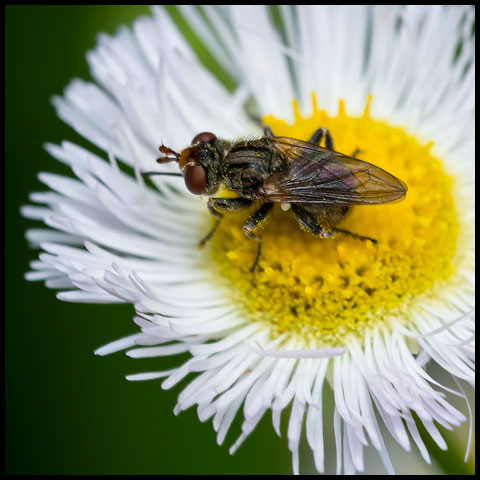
(326, 289)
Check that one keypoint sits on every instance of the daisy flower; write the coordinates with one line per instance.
(358, 318)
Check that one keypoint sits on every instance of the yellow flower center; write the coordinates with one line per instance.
(327, 289)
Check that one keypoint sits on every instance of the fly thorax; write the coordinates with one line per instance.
(252, 176)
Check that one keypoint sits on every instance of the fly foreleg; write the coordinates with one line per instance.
(256, 221)
(218, 205)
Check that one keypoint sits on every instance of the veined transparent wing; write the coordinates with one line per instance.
(317, 175)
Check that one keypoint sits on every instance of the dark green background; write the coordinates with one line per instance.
(67, 410)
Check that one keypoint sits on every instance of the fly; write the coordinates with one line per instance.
(319, 184)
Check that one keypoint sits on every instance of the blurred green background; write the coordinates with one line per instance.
(67, 410)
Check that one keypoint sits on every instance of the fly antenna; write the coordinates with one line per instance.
(170, 155)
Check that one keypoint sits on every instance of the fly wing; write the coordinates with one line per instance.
(316, 175)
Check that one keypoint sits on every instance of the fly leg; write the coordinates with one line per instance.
(218, 205)
(317, 136)
(355, 153)
(354, 235)
(253, 224)
(267, 131)
(310, 224)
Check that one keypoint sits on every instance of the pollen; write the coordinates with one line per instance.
(327, 289)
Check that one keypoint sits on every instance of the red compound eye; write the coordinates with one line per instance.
(195, 178)
(203, 137)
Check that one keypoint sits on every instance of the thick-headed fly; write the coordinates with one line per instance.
(319, 184)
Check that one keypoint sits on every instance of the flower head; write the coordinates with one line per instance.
(361, 316)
